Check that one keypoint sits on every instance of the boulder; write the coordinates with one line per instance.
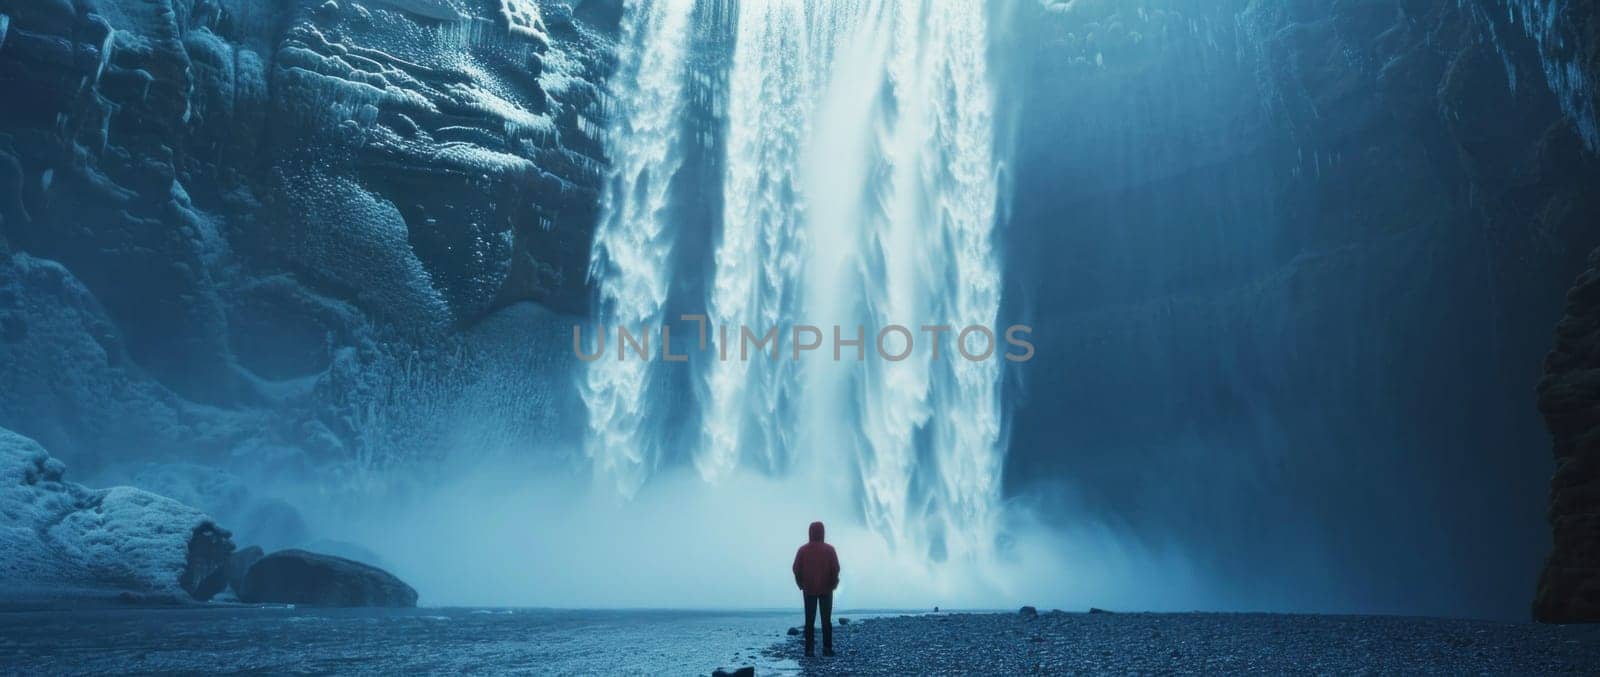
(300, 577)
(746, 671)
(1028, 611)
(345, 549)
(794, 631)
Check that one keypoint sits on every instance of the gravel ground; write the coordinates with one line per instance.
(275, 640)
(1203, 643)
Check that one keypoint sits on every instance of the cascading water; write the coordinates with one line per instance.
(860, 192)
(633, 239)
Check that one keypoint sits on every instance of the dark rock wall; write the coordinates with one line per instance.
(1569, 398)
(1295, 264)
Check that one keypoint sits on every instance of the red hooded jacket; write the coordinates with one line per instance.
(816, 565)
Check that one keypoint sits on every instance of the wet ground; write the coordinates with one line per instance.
(215, 639)
(1011, 643)
(228, 639)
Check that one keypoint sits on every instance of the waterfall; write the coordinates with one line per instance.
(632, 241)
(859, 184)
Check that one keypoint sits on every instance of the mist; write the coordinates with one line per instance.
(504, 536)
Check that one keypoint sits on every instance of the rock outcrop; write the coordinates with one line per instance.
(300, 577)
(1569, 398)
(61, 540)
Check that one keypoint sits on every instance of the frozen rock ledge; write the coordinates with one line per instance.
(61, 540)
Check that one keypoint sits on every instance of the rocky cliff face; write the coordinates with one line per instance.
(1569, 393)
(219, 208)
(1315, 282)
(1569, 398)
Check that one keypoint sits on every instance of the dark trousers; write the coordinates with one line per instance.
(812, 602)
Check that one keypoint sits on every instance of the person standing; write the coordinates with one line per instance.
(816, 573)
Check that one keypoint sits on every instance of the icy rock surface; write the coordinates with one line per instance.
(58, 538)
(522, 17)
(66, 378)
(245, 219)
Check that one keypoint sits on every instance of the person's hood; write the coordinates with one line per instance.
(816, 532)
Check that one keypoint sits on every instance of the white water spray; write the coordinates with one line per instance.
(633, 240)
(860, 190)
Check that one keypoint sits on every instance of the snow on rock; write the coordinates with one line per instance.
(155, 543)
(31, 495)
(60, 539)
(253, 518)
(522, 17)
(441, 10)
